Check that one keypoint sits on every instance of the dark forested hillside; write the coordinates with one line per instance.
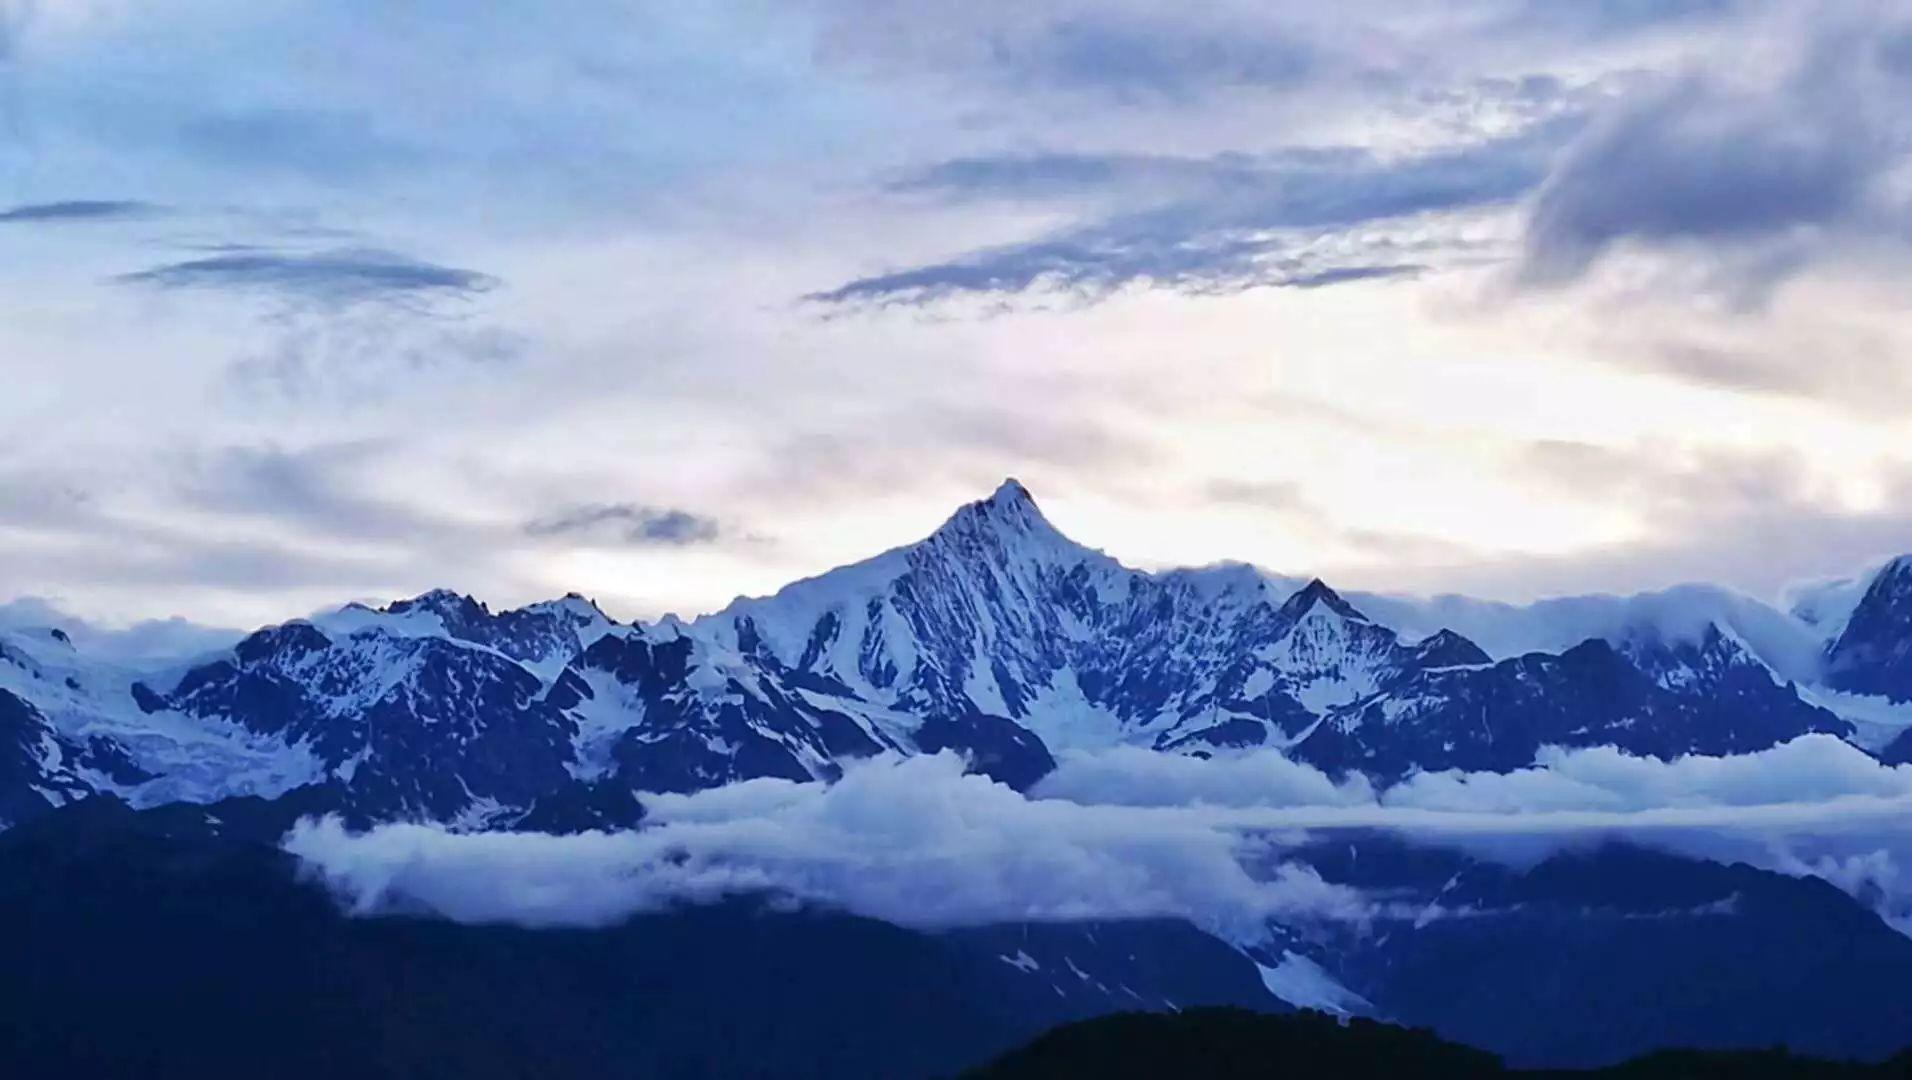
(1235, 1044)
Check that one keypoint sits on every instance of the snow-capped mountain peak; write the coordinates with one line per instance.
(445, 603)
(1007, 526)
(1317, 594)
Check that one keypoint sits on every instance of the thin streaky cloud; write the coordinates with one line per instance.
(77, 210)
(341, 275)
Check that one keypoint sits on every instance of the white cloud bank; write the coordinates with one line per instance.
(1128, 833)
(1812, 768)
(915, 842)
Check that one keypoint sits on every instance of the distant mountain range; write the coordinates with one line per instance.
(145, 804)
(996, 637)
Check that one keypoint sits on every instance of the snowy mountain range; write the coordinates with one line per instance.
(996, 637)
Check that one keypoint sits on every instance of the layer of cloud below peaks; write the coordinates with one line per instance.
(1130, 833)
(914, 842)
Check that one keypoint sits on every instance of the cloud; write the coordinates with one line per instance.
(1130, 833)
(1810, 769)
(1057, 174)
(1134, 57)
(1815, 806)
(75, 210)
(345, 323)
(1761, 177)
(1125, 53)
(149, 642)
(1759, 518)
(363, 353)
(1267, 494)
(1139, 55)
(1092, 271)
(1133, 776)
(321, 487)
(628, 523)
(655, 203)
(915, 842)
(312, 522)
(1222, 224)
(334, 278)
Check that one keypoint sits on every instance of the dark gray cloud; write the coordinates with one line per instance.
(74, 210)
(1218, 224)
(338, 277)
(1758, 177)
(628, 523)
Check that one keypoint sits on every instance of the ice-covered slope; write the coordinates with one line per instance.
(116, 746)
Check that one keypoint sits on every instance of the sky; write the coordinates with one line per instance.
(303, 302)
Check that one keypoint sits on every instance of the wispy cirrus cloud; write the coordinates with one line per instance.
(1221, 224)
